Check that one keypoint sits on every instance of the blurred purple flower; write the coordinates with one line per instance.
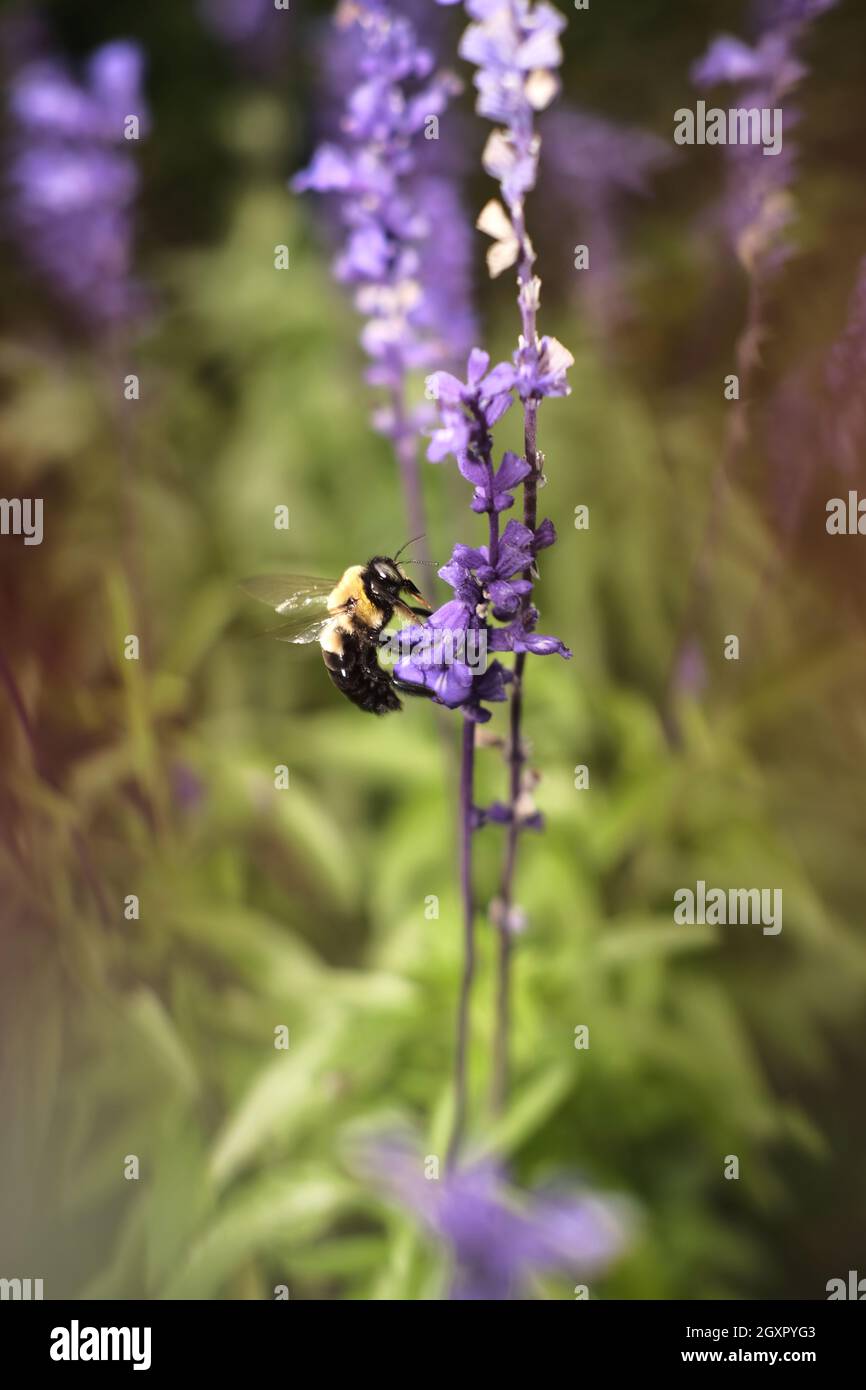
(757, 208)
(73, 182)
(497, 1237)
(598, 153)
(406, 246)
(729, 59)
(392, 198)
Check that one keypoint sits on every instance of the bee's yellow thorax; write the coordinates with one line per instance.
(351, 586)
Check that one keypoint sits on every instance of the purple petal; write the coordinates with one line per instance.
(476, 366)
(329, 170)
(445, 387)
(502, 378)
(495, 409)
(539, 645)
(517, 534)
(472, 471)
(511, 471)
(545, 535)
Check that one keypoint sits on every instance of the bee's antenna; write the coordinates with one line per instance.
(408, 543)
(420, 562)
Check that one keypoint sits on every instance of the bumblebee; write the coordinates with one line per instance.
(347, 619)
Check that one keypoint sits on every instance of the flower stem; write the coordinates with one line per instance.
(499, 1089)
(515, 756)
(467, 768)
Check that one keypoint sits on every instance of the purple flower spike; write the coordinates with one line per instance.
(514, 45)
(728, 59)
(757, 208)
(482, 586)
(411, 283)
(73, 180)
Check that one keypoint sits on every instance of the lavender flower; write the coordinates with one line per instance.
(469, 409)
(757, 208)
(540, 369)
(394, 192)
(756, 212)
(73, 181)
(514, 45)
(409, 281)
(497, 1237)
(489, 581)
(480, 586)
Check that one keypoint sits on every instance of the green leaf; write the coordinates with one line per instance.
(529, 1110)
(286, 1091)
(156, 1030)
(261, 1218)
(626, 941)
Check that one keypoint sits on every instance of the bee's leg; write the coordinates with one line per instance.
(385, 639)
(406, 689)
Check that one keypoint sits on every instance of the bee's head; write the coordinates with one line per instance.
(387, 582)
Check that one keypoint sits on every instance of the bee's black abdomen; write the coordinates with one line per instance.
(356, 672)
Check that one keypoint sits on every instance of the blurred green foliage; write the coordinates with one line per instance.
(305, 908)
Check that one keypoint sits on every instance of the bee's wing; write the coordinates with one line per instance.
(287, 592)
(299, 628)
(300, 599)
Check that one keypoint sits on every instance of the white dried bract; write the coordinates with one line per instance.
(494, 222)
(529, 295)
(540, 89)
